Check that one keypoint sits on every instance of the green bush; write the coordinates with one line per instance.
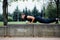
(10, 18)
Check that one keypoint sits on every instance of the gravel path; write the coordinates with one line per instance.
(27, 38)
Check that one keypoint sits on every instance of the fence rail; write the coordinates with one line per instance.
(30, 30)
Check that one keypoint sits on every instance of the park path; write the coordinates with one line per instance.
(27, 38)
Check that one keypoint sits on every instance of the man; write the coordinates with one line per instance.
(33, 19)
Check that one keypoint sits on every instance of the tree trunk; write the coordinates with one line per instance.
(57, 3)
(5, 12)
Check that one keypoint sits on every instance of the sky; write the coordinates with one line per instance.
(21, 5)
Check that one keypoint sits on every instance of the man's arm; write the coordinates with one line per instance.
(31, 17)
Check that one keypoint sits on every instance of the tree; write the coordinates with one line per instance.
(5, 11)
(59, 8)
(30, 13)
(57, 15)
(15, 0)
(10, 18)
(42, 14)
(25, 11)
(9, 14)
(51, 10)
(16, 14)
(1, 17)
(35, 12)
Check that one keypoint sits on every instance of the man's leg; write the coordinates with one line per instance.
(43, 20)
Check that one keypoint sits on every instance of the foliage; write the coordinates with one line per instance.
(35, 12)
(16, 15)
(25, 11)
(51, 10)
(1, 17)
(10, 18)
(59, 11)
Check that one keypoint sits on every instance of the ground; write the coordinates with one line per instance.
(28, 38)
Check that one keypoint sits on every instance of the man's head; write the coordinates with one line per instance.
(22, 15)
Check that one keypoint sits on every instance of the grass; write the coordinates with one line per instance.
(1, 23)
(16, 22)
(25, 23)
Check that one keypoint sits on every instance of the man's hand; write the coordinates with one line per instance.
(29, 22)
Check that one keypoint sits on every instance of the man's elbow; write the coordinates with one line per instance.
(33, 18)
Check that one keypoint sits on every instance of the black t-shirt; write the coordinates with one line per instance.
(29, 19)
